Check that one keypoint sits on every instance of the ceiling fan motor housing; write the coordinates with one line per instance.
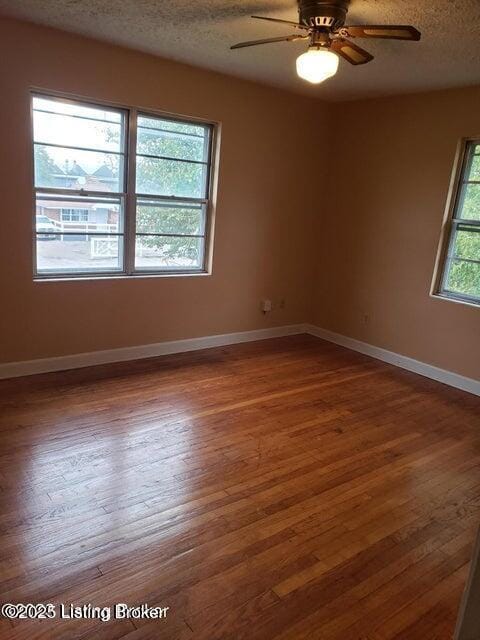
(327, 14)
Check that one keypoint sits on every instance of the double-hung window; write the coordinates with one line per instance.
(459, 277)
(118, 191)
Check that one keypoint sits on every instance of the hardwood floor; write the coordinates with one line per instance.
(286, 489)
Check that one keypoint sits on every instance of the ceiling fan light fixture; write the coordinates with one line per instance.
(317, 65)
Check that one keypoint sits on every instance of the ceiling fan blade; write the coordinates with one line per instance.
(351, 52)
(253, 43)
(297, 25)
(394, 32)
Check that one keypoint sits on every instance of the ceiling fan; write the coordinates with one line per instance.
(322, 23)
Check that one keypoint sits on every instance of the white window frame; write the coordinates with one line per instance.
(128, 195)
(450, 225)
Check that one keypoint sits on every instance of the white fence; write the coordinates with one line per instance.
(99, 247)
(84, 227)
(103, 247)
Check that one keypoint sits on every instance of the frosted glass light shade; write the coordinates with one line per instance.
(316, 65)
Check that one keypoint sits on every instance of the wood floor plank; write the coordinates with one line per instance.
(287, 489)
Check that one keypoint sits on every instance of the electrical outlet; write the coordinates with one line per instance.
(266, 306)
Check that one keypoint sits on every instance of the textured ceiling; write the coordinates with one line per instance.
(200, 32)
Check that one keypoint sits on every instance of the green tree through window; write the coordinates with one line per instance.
(462, 275)
(172, 160)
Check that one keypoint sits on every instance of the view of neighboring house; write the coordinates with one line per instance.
(70, 215)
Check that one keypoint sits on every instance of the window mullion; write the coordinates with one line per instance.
(473, 225)
(81, 193)
(131, 200)
(178, 199)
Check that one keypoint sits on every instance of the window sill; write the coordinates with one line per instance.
(120, 276)
(444, 297)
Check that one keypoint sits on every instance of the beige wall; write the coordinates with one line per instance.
(389, 174)
(265, 216)
(350, 246)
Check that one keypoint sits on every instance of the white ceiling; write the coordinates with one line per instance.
(200, 32)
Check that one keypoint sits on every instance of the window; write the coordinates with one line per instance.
(119, 191)
(75, 215)
(460, 277)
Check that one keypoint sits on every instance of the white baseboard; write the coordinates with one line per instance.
(429, 371)
(79, 360)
